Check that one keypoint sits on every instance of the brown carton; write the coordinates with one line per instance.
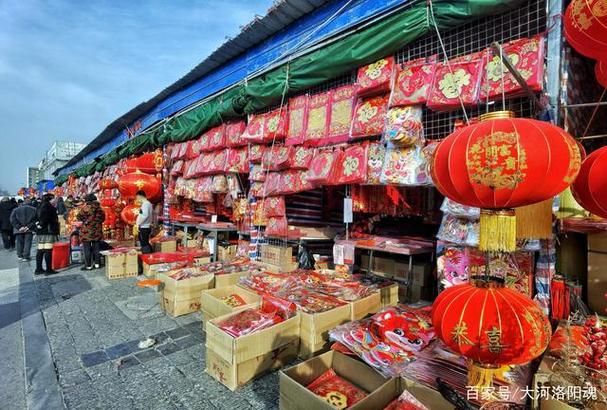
(381, 397)
(389, 295)
(212, 305)
(180, 297)
(314, 331)
(362, 307)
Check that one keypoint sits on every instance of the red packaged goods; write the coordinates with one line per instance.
(322, 166)
(264, 282)
(177, 168)
(166, 257)
(406, 401)
(337, 391)
(192, 150)
(256, 152)
(352, 167)
(527, 56)
(238, 160)
(203, 142)
(375, 78)
(298, 116)
(220, 184)
(275, 125)
(173, 151)
(248, 321)
(277, 157)
(190, 168)
(307, 300)
(375, 156)
(256, 189)
(216, 137)
(294, 181)
(413, 82)
(233, 300)
(460, 79)
(257, 173)
(277, 226)
(254, 131)
(202, 190)
(370, 116)
(318, 119)
(271, 186)
(301, 157)
(233, 132)
(274, 206)
(218, 164)
(343, 102)
(404, 126)
(183, 149)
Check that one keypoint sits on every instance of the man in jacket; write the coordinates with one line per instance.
(8, 237)
(23, 220)
(144, 222)
(91, 232)
(47, 234)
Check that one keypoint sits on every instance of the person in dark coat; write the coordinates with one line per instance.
(23, 220)
(91, 231)
(47, 235)
(61, 208)
(6, 209)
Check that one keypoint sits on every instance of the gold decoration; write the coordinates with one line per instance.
(451, 84)
(350, 165)
(496, 68)
(366, 112)
(460, 334)
(494, 336)
(373, 71)
(337, 399)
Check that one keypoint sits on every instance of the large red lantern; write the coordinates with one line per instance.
(129, 214)
(150, 162)
(501, 163)
(585, 26)
(107, 183)
(600, 70)
(590, 187)
(491, 325)
(129, 184)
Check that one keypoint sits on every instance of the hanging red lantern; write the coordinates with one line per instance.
(585, 26)
(491, 325)
(107, 202)
(107, 183)
(590, 187)
(150, 162)
(129, 184)
(129, 214)
(600, 70)
(502, 163)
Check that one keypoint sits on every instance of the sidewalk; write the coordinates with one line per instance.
(94, 326)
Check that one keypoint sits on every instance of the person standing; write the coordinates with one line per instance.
(61, 208)
(47, 234)
(23, 220)
(6, 209)
(144, 222)
(91, 231)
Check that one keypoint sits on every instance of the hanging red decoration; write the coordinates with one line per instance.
(317, 122)
(369, 116)
(107, 202)
(150, 162)
(107, 183)
(298, 115)
(590, 187)
(342, 105)
(216, 137)
(413, 81)
(129, 214)
(234, 132)
(375, 78)
(457, 82)
(600, 70)
(585, 25)
(129, 184)
(491, 325)
(502, 163)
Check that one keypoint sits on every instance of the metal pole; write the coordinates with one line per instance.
(581, 105)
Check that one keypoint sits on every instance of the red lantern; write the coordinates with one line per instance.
(150, 162)
(107, 202)
(586, 27)
(600, 70)
(502, 163)
(590, 187)
(107, 183)
(129, 214)
(491, 325)
(129, 184)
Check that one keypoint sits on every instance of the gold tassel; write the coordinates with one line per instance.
(481, 376)
(497, 230)
(534, 221)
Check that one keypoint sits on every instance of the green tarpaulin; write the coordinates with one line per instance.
(361, 47)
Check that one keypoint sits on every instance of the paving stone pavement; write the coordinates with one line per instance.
(93, 338)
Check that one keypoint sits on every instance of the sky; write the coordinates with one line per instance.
(69, 67)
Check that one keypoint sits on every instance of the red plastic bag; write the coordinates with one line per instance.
(404, 126)
(203, 142)
(301, 157)
(343, 102)
(238, 160)
(298, 115)
(375, 78)
(217, 137)
(183, 149)
(271, 185)
(277, 157)
(322, 166)
(370, 116)
(234, 131)
(190, 169)
(256, 153)
(461, 78)
(413, 82)
(277, 226)
(274, 206)
(337, 391)
(202, 190)
(352, 166)
(318, 119)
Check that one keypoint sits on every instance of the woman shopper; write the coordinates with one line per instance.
(6, 209)
(91, 232)
(47, 234)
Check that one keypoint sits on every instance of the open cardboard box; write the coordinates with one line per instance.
(180, 297)
(389, 295)
(381, 397)
(314, 332)
(293, 381)
(360, 308)
(233, 361)
(212, 305)
(229, 279)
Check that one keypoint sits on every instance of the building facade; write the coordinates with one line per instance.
(57, 156)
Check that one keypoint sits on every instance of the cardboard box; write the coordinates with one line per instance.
(597, 242)
(247, 356)
(203, 260)
(229, 279)
(234, 375)
(212, 306)
(293, 381)
(362, 307)
(277, 255)
(119, 266)
(389, 295)
(314, 331)
(180, 297)
(226, 253)
(383, 267)
(166, 246)
(381, 397)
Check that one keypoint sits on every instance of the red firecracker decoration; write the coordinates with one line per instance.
(502, 163)
(585, 25)
(491, 325)
(590, 187)
(129, 184)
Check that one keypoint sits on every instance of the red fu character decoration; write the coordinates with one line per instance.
(502, 163)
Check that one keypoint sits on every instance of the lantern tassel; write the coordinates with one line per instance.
(483, 376)
(497, 231)
(534, 221)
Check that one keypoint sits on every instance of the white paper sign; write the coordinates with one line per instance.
(348, 210)
(213, 219)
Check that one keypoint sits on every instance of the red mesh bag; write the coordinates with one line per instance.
(318, 119)
(370, 116)
(217, 137)
(274, 206)
(277, 226)
(413, 82)
(256, 152)
(352, 166)
(460, 78)
(343, 102)
(322, 167)
(234, 131)
(298, 113)
(238, 160)
(277, 157)
(301, 157)
(375, 78)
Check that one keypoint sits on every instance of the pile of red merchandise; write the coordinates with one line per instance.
(336, 390)
(271, 312)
